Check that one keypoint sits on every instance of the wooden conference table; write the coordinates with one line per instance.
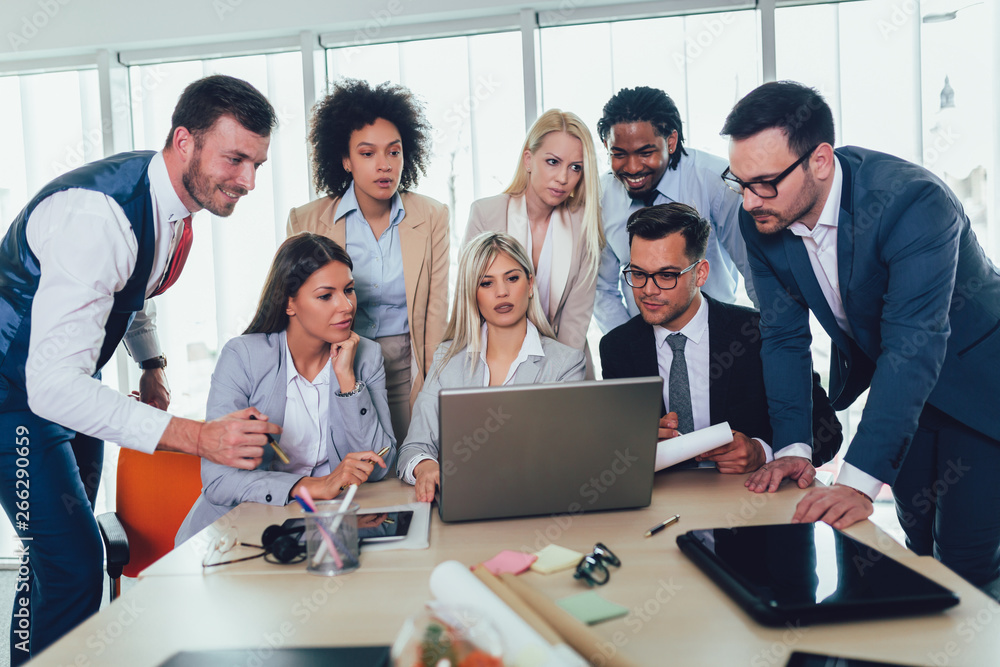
(678, 616)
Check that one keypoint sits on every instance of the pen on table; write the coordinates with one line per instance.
(663, 524)
(382, 452)
(274, 445)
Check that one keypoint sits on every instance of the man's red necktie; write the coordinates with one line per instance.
(180, 256)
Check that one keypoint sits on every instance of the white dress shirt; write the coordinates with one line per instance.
(697, 356)
(821, 246)
(84, 264)
(305, 434)
(531, 345)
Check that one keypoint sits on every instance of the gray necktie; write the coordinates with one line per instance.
(680, 389)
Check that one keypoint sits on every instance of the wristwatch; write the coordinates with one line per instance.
(155, 362)
(358, 386)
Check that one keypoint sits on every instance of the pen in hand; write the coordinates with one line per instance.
(663, 524)
(274, 445)
(382, 452)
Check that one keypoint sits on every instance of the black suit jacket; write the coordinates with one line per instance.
(736, 375)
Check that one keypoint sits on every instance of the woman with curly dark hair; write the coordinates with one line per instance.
(369, 147)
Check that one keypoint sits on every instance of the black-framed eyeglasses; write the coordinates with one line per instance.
(215, 555)
(662, 279)
(763, 189)
(593, 568)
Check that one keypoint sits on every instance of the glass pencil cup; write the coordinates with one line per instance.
(332, 545)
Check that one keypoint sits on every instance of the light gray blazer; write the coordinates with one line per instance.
(572, 316)
(252, 371)
(561, 363)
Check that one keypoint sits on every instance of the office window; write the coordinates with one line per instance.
(704, 62)
(217, 294)
(474, 92)
(900, 82)
(49, 124)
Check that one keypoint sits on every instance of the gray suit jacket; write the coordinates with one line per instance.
(572, 315)
(252, 371)
(560, 364)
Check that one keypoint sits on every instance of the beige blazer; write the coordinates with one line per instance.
(424, 239)
(572, 315)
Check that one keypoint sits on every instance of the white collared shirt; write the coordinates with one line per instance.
(697, 356)
(305, 435)
(530, 346)
(821, 246)
(84, 264)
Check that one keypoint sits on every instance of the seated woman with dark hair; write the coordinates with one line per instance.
(369, 147)
(497, 336)
(302, 367)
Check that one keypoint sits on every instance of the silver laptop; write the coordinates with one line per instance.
(562, 448)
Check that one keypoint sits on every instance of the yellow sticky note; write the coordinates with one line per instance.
(554, 558)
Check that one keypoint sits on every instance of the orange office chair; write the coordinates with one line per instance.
(155, 493)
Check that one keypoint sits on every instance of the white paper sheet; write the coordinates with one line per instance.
(673, 451)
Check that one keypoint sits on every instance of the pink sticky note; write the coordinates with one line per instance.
(514, 562)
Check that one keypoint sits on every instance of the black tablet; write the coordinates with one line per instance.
(372, 526)
(810, 573)
(799, 659)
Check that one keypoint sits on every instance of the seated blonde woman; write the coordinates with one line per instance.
(497, 336)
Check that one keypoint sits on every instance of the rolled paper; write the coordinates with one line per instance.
(573, 631)
(673, 451)
(519, 606)
(452, 583)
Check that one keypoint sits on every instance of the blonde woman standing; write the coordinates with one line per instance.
(552, 208)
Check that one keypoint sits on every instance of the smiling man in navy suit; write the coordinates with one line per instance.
(882, 253)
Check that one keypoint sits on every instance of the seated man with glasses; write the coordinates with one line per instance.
(707, 352)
